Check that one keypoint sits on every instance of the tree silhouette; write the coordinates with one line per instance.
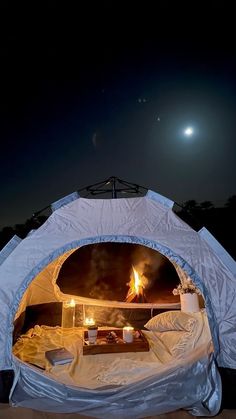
(231, 202)
(191, 205)
(21, 230)
(206, 205)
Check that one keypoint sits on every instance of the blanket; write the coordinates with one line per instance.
(95, 371)
(179, 372)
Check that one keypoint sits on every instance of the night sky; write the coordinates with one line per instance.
(108, 89)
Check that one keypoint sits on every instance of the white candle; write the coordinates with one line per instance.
(128, 334)
(92, 334)
(68, 314)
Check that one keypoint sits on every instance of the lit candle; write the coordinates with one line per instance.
(89, 321)
(92, 334)
(68, 313)
(128, 334)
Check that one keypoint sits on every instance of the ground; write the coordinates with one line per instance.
(7, 412)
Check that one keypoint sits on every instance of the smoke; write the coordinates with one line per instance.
(149, 263)
(106, 316)
(104, 270)
(109, 266)
(111, 263)
(116, 317)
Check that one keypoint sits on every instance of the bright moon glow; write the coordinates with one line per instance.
(188, 131)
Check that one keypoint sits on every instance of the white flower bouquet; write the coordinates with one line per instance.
(186, 287)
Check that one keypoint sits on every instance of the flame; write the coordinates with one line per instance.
(137, 283)
(72, 303)
(136, 286)
(89, 321)
(69, 304)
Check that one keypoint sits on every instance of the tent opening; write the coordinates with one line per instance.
(121, 272)
(101, 277)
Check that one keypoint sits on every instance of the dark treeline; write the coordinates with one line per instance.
(221, 222)
(21, 230)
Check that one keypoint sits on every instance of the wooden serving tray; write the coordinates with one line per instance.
(139, 344)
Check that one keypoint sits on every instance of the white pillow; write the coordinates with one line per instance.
(172, 340)
(172, 320)
(178, 331)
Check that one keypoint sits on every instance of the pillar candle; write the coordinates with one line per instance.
(128, 334)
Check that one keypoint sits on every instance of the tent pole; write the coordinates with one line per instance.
(114, 192)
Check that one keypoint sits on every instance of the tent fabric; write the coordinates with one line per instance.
(168, 203)
(42, 289)
(219, 250)
(171, 390)
(141, 220)
(10, 246)
(65, 200)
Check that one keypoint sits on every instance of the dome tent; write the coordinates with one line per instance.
(147, 220)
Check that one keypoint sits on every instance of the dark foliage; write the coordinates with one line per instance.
(221, 222)
(21, 230)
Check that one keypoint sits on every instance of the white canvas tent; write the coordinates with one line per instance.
(75, 222)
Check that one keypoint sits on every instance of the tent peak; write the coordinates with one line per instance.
(113, 186)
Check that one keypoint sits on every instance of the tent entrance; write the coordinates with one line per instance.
(100, 278)
(122, 272)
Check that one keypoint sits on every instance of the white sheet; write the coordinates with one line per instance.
(114, 386)
(94, 371)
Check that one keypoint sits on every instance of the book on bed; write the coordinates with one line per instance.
(59, 356)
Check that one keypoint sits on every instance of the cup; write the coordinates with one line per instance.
(92, 334)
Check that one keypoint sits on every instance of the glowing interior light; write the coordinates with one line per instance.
(72, 303)
(188, 131)
(89, 321)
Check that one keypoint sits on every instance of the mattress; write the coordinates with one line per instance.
(179, 371)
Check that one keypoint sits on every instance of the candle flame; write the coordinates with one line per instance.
(89, 321)
(72, 303)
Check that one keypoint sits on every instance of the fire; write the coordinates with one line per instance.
(137, 281)
(136, 287)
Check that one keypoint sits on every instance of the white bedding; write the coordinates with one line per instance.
(168, 349)
(179, 372)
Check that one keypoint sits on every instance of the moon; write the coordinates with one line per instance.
(188, 131)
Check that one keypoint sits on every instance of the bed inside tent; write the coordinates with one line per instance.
(99, 280)
(91, 251)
